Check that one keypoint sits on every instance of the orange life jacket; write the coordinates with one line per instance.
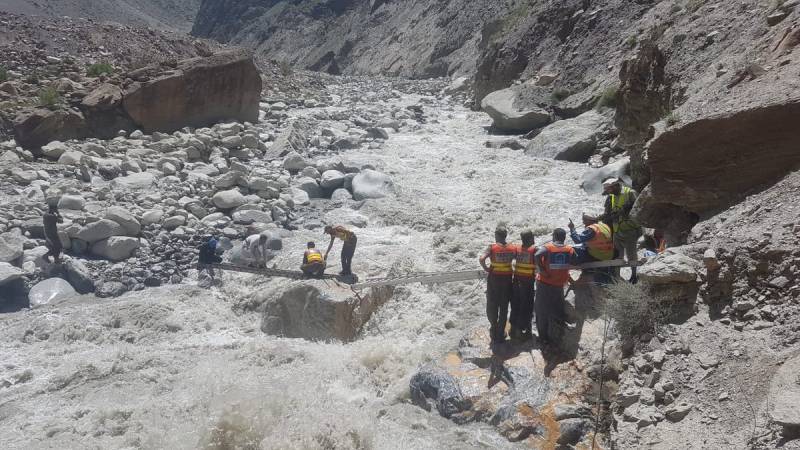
(557, 263)
(501, 257)
(601, 246)
(526, 265)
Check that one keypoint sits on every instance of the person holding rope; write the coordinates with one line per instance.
(553, 262)
(313, 261)
(348, 247)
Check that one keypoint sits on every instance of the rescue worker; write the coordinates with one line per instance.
(596, 242)
(51, 219)
(499, 286)
(553, 261)
(522, 300)
(348, 247)
(256, 245)
(626, 231)
(208, 256)
(313, 261)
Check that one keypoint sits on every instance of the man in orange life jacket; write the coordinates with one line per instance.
(522, 301)
(499, 286)
(313, 261)
(553, 261)
(595, 243)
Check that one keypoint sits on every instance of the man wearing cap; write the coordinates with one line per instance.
(595, 242)
(313, 261)
(626, 231)
(256, 244)
(499, 284)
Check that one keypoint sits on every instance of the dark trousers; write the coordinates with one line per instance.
(549, 307)
(314, 270)
(348, 250)
(54, 248)
(499, 291)
(600, 275)
(522, 304)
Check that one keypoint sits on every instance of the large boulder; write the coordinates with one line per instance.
(103, 111)
(784, 391)
(199, 92)
(115, 248)
(571, 139)
(693, 168)
(9, 273)
(79, 276)
(99, 230)
(11, 247)
(228, 199)
(371, 184)
(309, 185)
(332, 179)
(49, 291)
(432, 387)
(508, 115)
(592, 181)
(33, 129)
(135, 181)
(123, 217)
(669, 268)
(71, 201)
(311, 311)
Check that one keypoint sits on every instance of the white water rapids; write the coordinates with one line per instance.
(176, 367)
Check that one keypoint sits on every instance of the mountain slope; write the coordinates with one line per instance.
(163, 14)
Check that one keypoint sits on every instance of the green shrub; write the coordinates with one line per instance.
(560, 94)
(631, 41)
(608, 99)
(49, 97)
(672, 119)
(634, 311)
(3, 74)
(95, 70)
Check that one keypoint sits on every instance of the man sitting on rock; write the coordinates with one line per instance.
(595, 243)
(51, 220)
(313, 261)
(348, 248)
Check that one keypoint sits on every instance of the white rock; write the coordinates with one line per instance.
(295, 162)
(371, 184)
(71, 201)
(115, 248)
(341, 195)
(784, 391)
(9, 273)
(135, 181)
(309, 185)
(571, 139)
(507, 115)
(49, 291)
(249, 216)
(123, 217)
(668, 269)
(153, 216)
(593, 179)
(54, 149)
(11, 247)
(99, 230)
(332, 179)
(71, 158)
(228, 199)
(171, 223)
(299, 197)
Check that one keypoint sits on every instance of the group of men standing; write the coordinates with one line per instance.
(532, 279)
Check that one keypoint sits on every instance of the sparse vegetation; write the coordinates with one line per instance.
(95, 70)
(672, 119)
(631, 41)
(3, 74)
(560, 94)
(49, 97)
(608, 99)
(634, 310)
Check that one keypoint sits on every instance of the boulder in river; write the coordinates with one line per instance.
(571, 139)
(371, 184)
(49, 291)
(509, 116)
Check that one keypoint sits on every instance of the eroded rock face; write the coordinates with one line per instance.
(37, 128)
(311, 310)
(200, 92)
(710, 163)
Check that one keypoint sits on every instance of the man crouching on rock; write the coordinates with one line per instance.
(313, 261)
(499, 286)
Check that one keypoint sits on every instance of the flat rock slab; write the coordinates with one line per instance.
(784, 394)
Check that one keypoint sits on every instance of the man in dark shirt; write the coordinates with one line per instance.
(208, 256)
(51, 220)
